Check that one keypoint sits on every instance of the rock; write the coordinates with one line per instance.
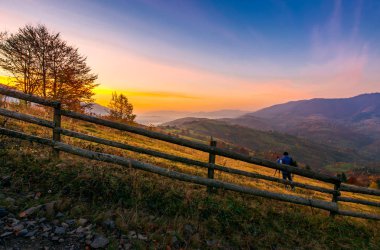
(60, 230)
(99, 242)
(5, 234)
(33, 237)
(31, 233)
(23, 232)
(46, 228)
(30, 223)
(141, 237)
(89, 237)
(65, 225)
(18, 227)
(14, 222)
(45, 235)
(3, 212)
(72, 231)
(70, 222)
(80, 230)
(132, 235)
(41, 220)
(59, 215)
(109, 224)
(89, 227)
(55, 238)
(29, 211)
(61, 240)
(82, 222)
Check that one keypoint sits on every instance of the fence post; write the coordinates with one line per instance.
(336, 195)
(211, 161)
(57, 126)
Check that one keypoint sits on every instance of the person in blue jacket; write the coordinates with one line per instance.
(287, 160)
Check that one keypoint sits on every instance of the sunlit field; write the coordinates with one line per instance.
(144, 142)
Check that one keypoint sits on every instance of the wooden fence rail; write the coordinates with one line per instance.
(360, 190)
(200, 146)
(210, 182)
(187, 161)
(329, 206)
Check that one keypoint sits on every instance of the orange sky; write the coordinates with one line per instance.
(151, 85)
(198, 59)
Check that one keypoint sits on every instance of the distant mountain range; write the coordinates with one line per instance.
(162, 116)
(159, 117)
(356, 108)
(350, 126)
(347, 122)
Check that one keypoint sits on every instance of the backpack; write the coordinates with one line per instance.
(293, 162)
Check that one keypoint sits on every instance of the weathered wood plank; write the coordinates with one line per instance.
(359, 201)
(31, 98)
(211, 162)
(361, 190)
(359, 215)
(57, 126)
(26, 118)
(329, 206)
(201, 147)
(335, 196)
(194, 179)
(270, 178)
(189, 161)
(26, 137)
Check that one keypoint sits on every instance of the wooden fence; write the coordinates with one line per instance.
(212, 150)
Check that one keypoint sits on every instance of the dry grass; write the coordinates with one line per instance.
(140, 141)
(244, 218)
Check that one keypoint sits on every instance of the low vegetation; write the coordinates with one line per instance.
(172, 214)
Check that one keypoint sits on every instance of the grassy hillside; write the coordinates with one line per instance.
(162, 208)
(350, 124)
(316, 155)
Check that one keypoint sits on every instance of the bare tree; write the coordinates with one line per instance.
(120, 108)
(42, 63)
(16, 57)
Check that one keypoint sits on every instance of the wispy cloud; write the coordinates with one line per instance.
(337, 58)
(152, 94)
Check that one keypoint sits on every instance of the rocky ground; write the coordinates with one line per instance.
(31, 229)
(27, 232)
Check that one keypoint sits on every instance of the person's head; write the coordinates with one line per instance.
(286, 153)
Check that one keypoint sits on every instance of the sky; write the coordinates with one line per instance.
(203, 55)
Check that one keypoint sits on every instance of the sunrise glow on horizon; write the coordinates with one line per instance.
(209, 55)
